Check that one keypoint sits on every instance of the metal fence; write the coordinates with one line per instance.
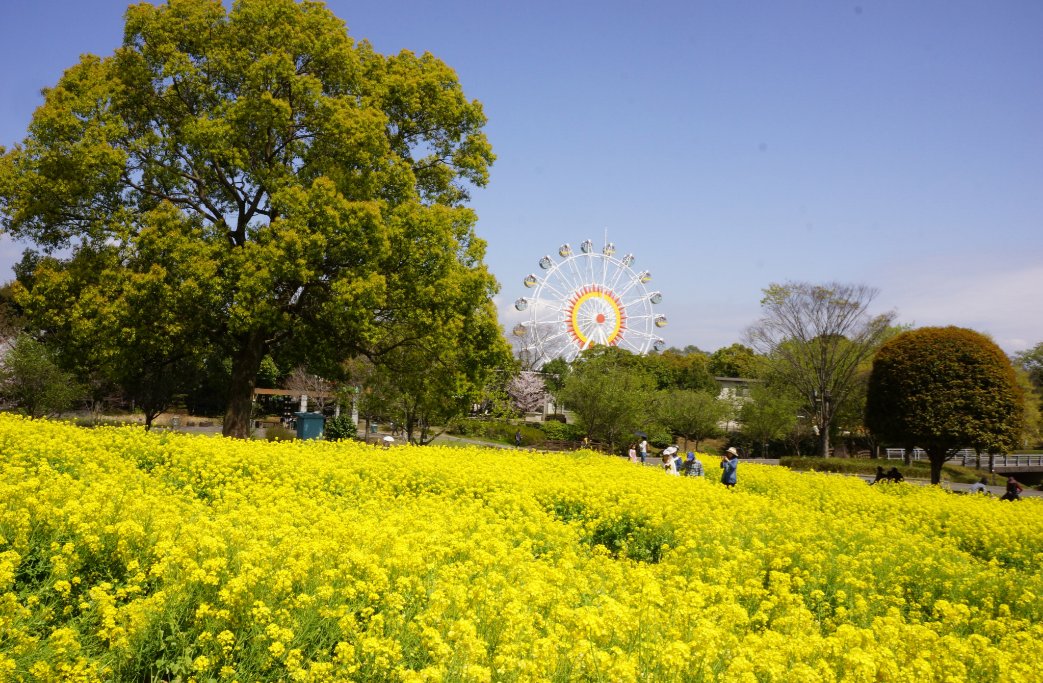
(966, 458)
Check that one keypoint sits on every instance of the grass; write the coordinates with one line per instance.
(920, 469)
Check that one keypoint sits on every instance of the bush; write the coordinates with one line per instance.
(561, 431)
(340, 429)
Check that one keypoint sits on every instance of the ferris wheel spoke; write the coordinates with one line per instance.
(630, 285)
(565, 277)
(558, 292)
(635, 300)
(574, 282)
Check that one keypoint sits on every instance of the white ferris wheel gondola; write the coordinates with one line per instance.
(588, 299)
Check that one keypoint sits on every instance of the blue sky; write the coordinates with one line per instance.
(728, 145)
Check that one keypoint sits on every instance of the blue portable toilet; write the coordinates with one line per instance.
(309, 425)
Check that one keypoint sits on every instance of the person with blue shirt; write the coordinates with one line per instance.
(693, 467)
(729, 463)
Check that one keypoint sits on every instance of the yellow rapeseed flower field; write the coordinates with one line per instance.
(129, 556)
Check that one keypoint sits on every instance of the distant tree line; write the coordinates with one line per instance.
(821, 369)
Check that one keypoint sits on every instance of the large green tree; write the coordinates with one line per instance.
(944, 389)
(325, 182)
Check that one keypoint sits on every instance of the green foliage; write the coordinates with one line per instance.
(687, 371)
(943, 389)
(1032, 427)
(735, 361)
(693, 415)
(562, 431)
(340, 429)
(767, 414)
(658, 437)
(312, 188)
(555, 373)
(609, 390)
(31, 380)
(1031, 360)
(269, 375)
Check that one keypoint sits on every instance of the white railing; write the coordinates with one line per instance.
(967, 458)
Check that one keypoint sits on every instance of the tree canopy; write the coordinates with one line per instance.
(944, 389)
(320, 183)
(735, 361)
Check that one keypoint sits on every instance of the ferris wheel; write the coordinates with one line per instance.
(588, 299)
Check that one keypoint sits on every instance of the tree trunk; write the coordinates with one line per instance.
(245, 367)
(909, 455)
(937, 460)
(149, 417)
(823, 442)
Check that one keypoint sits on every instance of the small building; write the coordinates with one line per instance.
(736, 387)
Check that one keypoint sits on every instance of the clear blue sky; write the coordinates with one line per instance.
(727, 144)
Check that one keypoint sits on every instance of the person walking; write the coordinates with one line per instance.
(1013, 490)
(644, 449)
(517, 439)
(729, 465)
(693, 466)
(979, 486)
(633, 453)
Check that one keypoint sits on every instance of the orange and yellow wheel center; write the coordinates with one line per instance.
(595, 316)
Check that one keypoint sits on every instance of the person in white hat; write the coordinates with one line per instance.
(729, 463)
